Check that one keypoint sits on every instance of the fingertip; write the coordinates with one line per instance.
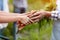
(33, 11)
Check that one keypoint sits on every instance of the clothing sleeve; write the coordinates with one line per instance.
(55, 15)
(20, 3)
(4, 7)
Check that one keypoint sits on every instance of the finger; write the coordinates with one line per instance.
(21, 28)
(18, 24)
(24, 21)
(37, 20)
(28, 23)
(38, 13)
(32, 12)
(36, 17)
(31, 21)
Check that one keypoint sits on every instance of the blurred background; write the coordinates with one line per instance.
(37, 31)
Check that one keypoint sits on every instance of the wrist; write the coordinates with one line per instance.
(48, 14)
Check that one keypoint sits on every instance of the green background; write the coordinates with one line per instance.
(36, 31)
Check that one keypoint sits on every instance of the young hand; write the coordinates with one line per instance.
(21, 25)
(34, 17)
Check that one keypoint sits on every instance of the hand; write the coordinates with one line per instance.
(21, 24)
(39, 15)
(24, 19)
(34, 17)
(46, 13)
